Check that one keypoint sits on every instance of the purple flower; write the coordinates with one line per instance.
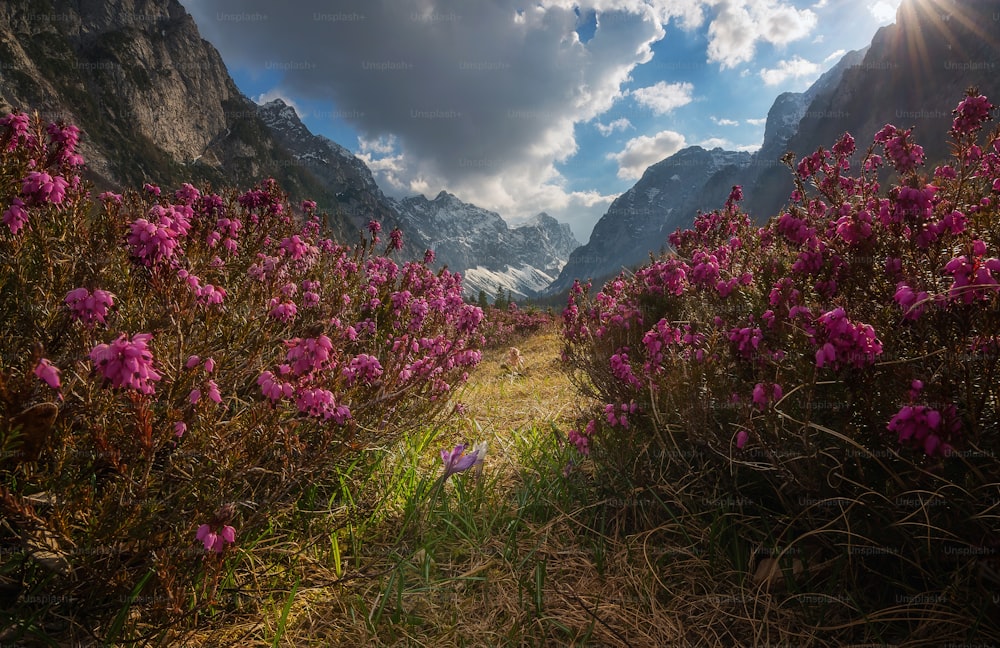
(457, 460)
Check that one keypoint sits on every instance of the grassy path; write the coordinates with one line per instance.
(524, 554)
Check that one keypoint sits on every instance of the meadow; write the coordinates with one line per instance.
(221, 427)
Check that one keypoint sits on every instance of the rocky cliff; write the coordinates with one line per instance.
(155, 101)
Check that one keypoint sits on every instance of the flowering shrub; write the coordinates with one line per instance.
(503, 326)
(214, 357)
(848, 348)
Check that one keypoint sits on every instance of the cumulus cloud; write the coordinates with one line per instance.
(619, 124)
(482, 97)
(738, 26)
(715, 142)
(796, 67)
(884, 11)
(757, 122)
(642, 151)
(835, 56)
(664, 97)
(724, 122)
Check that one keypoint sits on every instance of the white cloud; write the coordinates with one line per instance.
(796, 67)
(728, 145)
(640, 152)
(715, 142)
(618, 124)
(277, 93)
(739, 25)
(835, 56)
(884, 11)
(757, 122)
(664, 97)
(724, 122)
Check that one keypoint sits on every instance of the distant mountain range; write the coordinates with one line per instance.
(522, 260)
(913, 73)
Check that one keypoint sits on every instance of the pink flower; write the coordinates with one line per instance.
(48, 373)
(362, 367)
(216, 541)
(40, 188)
(309, 355)
(273, 388)
(126, 363)
(972, 279)
(89, 307)
(970, 114)
(180, 427)
(396, 239)
(15, 216)
(741, 439)
(213, 392)
(921, 425)
(194, 396)
(762, 395)
(192, 362)
(282, 311)
(913, 303)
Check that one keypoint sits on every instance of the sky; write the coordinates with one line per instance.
(538, 105)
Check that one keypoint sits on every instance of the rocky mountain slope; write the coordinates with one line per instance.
(358, 198)
(666, 196)
(154, 100)
(913, 74)
(156, 104)
(478, 243)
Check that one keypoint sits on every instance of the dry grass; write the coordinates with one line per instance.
(525, 556)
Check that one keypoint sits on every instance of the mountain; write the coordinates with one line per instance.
(667, 196)
(913, 73)
(358, 198)
(155, 101)
(156, 104)
(479, 244)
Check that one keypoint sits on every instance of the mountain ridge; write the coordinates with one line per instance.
(958, 50)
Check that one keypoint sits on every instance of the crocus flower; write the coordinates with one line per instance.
(457, 460)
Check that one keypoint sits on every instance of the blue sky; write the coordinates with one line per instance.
(553, 106)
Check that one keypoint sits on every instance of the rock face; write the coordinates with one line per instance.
(913, 73)
(155, 101)
(479, 244)
(156, 104)
(358, 198)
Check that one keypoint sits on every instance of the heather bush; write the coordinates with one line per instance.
(825, 387)
(504, 326)
(177, 368)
